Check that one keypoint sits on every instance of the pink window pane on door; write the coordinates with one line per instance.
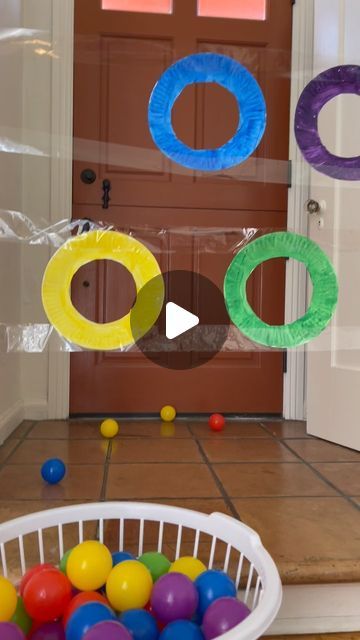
(140, 6)
(236, 9)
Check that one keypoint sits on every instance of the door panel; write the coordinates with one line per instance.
(118, 58)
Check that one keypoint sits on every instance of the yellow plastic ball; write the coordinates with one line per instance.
(89, 565)
(129, 586)
(189, 566)
(8, 600)
(109, 428)
(168, 413)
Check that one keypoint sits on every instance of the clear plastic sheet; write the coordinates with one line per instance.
(118, 151)
(35, 337)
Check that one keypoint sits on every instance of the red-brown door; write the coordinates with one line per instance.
(119, 55)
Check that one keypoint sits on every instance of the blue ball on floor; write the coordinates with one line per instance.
(53, 470)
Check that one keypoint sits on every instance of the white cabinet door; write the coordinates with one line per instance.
(333, 381)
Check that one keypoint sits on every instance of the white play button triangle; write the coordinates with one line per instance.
(178, 320)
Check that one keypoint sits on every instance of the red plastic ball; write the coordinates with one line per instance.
(216, 422)
(46, 595)
(79, 600)
(32, 572)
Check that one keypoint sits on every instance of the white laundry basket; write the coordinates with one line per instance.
(231, 545)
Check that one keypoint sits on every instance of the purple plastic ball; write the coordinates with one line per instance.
(222, 615)
(174, 597)
(49, 631)
(10, 631)
(110, 630)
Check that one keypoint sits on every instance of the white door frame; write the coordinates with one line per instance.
(61, 189)
(296, 281)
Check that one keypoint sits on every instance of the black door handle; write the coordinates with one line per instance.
(106, 186)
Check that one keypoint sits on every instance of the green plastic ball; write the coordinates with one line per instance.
(21, 618)
(156, 562)
(63, 561)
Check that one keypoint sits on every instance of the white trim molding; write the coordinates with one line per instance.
(323, 608)
(61, 174)
(296, 278)
(10, 419)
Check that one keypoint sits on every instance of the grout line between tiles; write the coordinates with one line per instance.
(106, 472)
(172, 498)
(217, 480)
(319, 475)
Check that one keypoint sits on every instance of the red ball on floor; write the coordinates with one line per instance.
(216, 422)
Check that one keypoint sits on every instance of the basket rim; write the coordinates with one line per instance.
(232, 531)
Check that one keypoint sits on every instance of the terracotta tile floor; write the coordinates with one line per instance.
(301, 494)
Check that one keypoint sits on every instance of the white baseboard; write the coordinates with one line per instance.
(14, 415)
(36, 410)
(10, 419)
(328, 608)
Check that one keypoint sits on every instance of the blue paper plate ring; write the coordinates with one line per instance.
(208, 67)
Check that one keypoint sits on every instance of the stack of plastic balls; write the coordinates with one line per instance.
(94, 595)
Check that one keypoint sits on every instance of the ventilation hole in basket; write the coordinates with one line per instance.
(233, 563)
(31, 550)
(150, 535)
(204, 550)
(244, 577)
(49, 545)
(111, 531)
(169, 541)
(13, 563)
(131, 536)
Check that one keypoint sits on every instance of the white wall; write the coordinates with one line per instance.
(25, 183)
(36, 186)
(10, 198)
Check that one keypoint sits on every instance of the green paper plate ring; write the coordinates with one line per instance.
(323, 302)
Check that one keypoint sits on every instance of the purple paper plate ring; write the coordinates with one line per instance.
(325, 87)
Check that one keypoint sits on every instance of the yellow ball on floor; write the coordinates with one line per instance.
(129, 586)
(168, 413)
(8, 600)
(109, 428)
(89, 565)
(189, 566)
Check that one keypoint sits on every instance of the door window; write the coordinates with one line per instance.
(140, 6)
(236, 9)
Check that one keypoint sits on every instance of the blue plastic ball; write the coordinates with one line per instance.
(141, 624)
(211, 586)
(86, 617)
(181, 629)
(120, 556)
(53, 470)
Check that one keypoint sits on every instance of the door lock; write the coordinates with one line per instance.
(313, 206)
(88, 176)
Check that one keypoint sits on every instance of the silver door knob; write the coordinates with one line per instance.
(313, 206)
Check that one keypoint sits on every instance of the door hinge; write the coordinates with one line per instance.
(293, 2)
(290, 171)
(285, 357)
